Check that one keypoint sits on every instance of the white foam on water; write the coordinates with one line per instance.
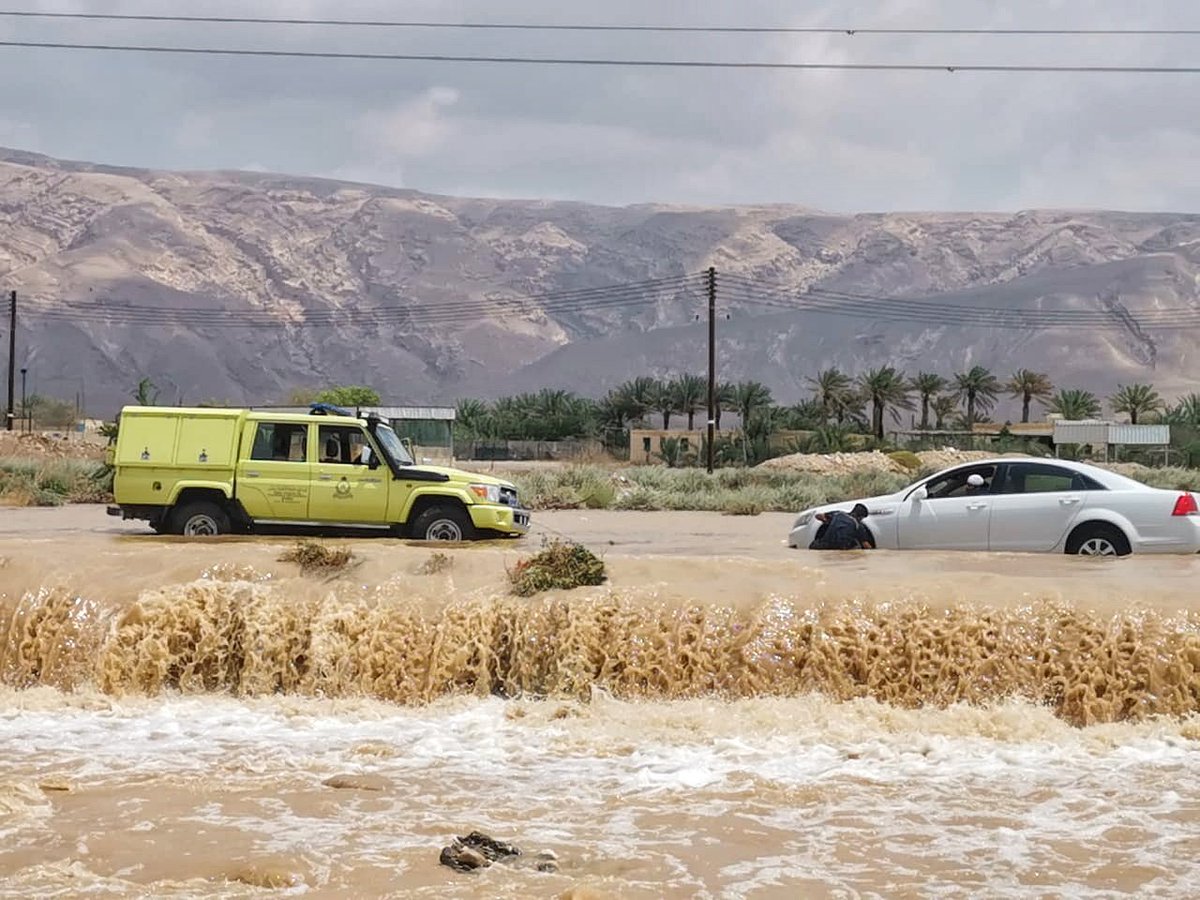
(923, 798)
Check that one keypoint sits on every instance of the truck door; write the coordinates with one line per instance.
(345, 488)
(274, 473)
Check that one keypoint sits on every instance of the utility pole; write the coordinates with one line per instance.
(12, 358)
(712, 363)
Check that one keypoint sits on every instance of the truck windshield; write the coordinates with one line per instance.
(392, 446)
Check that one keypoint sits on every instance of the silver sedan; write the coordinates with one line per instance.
(1026, 505)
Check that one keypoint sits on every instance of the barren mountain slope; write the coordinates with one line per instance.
(72, 232)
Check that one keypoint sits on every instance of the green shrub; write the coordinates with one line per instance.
(561, 565)
(906, 458)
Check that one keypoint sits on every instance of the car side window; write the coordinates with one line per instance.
(280, 442)
(956, 484)
(343, 445)
(1038, 478)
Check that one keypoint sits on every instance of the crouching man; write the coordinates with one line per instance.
(843, 531)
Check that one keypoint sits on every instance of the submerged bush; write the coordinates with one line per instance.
(561, 565)
(313, 556)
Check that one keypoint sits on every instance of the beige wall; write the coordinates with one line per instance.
(644, 443)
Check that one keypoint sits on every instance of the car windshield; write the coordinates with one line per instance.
(392, 446)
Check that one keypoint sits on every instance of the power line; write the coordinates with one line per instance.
(894, 309)
(849, 31)
(456, 313)
(605, 62)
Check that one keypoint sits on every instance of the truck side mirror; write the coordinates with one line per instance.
(373, 462)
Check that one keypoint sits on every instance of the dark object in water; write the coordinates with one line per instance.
(476, 851)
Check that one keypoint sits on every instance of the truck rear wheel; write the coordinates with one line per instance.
(199, 519)
(443, 523)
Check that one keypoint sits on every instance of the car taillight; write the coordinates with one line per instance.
(1186, 506)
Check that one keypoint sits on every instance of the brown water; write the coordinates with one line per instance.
(756, 723)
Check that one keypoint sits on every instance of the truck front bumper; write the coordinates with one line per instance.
(504, 519)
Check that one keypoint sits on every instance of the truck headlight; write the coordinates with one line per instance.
(489, 493)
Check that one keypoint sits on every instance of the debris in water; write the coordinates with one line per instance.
(438, 562)
(563, 565)
(271, 875)
(357, 783)
(55, 784)
(477, 851)
(313, 556)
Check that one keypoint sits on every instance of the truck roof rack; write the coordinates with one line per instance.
(328, 409)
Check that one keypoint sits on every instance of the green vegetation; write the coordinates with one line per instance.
(1028, 386)
(1136, 401)
(560, 565)
(977, 390)
(32, 483)
(906, 458)
(1075, 404)
(739, 491)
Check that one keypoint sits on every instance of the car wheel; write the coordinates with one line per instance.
(200, 519)
(1098, 540)
(443, 523)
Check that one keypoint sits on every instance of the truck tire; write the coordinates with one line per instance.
(443, 523)
(199, 518)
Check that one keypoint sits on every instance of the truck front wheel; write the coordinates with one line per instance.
(443, 523)
(199, 519)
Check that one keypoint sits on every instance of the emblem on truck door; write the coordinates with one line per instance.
(145, 454)
(203, 456)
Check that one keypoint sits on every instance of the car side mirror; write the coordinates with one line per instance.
(373, 462)
(920, 494)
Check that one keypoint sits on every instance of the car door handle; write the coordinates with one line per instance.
(977, 506)
(324, 478)
(1069, 501)
(250, 474)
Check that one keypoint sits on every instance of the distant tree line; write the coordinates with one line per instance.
(838, 401)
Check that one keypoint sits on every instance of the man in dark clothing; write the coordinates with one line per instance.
(843, 531)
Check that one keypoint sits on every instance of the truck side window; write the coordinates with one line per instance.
(342, 445)
(280, 442)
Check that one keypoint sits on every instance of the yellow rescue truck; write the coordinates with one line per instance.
(215, 471)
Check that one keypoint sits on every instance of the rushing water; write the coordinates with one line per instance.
(182, 721)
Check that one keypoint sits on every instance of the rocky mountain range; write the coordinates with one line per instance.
(333, 282)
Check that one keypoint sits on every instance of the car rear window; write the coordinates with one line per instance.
(1045, 479)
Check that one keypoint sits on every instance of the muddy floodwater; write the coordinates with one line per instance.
(724, 718)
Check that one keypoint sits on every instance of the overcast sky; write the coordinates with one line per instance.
(846, 141)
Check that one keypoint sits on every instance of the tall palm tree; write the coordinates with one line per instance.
(834, 390)
(1029, 386)
(943, 407)
(1186, 411)
(1136, 400)
(146, 393)
(690, 393)
(884, 389)
(663, 402)
(637, 397)
(748, 398)
(978, 388)
(1074, 405)
(471, 418)
(928, 385)
(726, 402)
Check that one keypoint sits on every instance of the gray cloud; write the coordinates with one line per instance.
(841, 141)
